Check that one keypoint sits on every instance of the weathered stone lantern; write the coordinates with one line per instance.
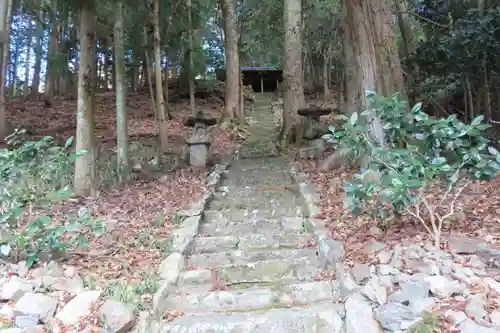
(199, 142)
(313, 131)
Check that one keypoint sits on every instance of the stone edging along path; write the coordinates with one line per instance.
(181, 238)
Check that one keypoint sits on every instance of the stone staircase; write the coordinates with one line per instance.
(262, 141)
(251, 269)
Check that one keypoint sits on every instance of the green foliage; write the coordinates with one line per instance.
(418, 150)
(34, 175)
(428, 324)
(454, 50)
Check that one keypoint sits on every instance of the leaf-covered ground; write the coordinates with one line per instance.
(479, 203)
(137, 215)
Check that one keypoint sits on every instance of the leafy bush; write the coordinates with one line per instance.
(33, 176)
(418, 151)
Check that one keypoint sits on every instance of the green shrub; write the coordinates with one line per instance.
(418, 151)
(33, 176)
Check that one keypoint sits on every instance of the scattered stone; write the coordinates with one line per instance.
(415, 252)
(346, 283)
(14, 289)
(476, 262)
(360, 272)
(492, 284)
(357, 307)
(476, 307)
(28, 321)
(72, 285)
(443, 287)
(411, 292)
(118, 317)
(392, 316)
(396, 257)
(456, 317)
(495, 318)
(384, 257)
(78, 307)
(423, 266)
(374, 291)
(471, 327)
(330, 252)
(387, 270)
(6, 311)
(36, 304)
(462, 245)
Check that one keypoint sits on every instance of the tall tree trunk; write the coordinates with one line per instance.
(371, 35)
(146, 68)
(326, 71)
(105, 66)
(160, 103)
(38, 53)
(232, 94)
(293, 97)
(27, 65)
(14, 68)
(165, 87)
(85, 164)
(192, 88)
(5, 11)
(121, 92)
(52, 63)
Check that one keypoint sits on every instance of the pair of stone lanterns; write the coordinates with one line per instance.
(199, 141)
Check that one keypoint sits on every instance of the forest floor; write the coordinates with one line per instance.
(140, 212)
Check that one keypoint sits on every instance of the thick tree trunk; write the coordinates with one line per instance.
(5, 10)
(293, 97)
(232, 94)
(85, 164)
(372, 38)
(38, 54)
(160, 103)
(372, 63)
(121, 92)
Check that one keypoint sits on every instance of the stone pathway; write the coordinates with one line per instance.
(250, 268)
(262, 141)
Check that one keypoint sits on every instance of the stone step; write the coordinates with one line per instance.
(252, 195)
(255, 298)
(252, 242)
(250, 227)
(207, 260)
(221, 217)
(274, 207)
(250, 275)
(319, 318)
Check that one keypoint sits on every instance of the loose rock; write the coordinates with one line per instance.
(357, 307)
(78, 307)
(36, 304)
(443, 287)
(118, 317)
